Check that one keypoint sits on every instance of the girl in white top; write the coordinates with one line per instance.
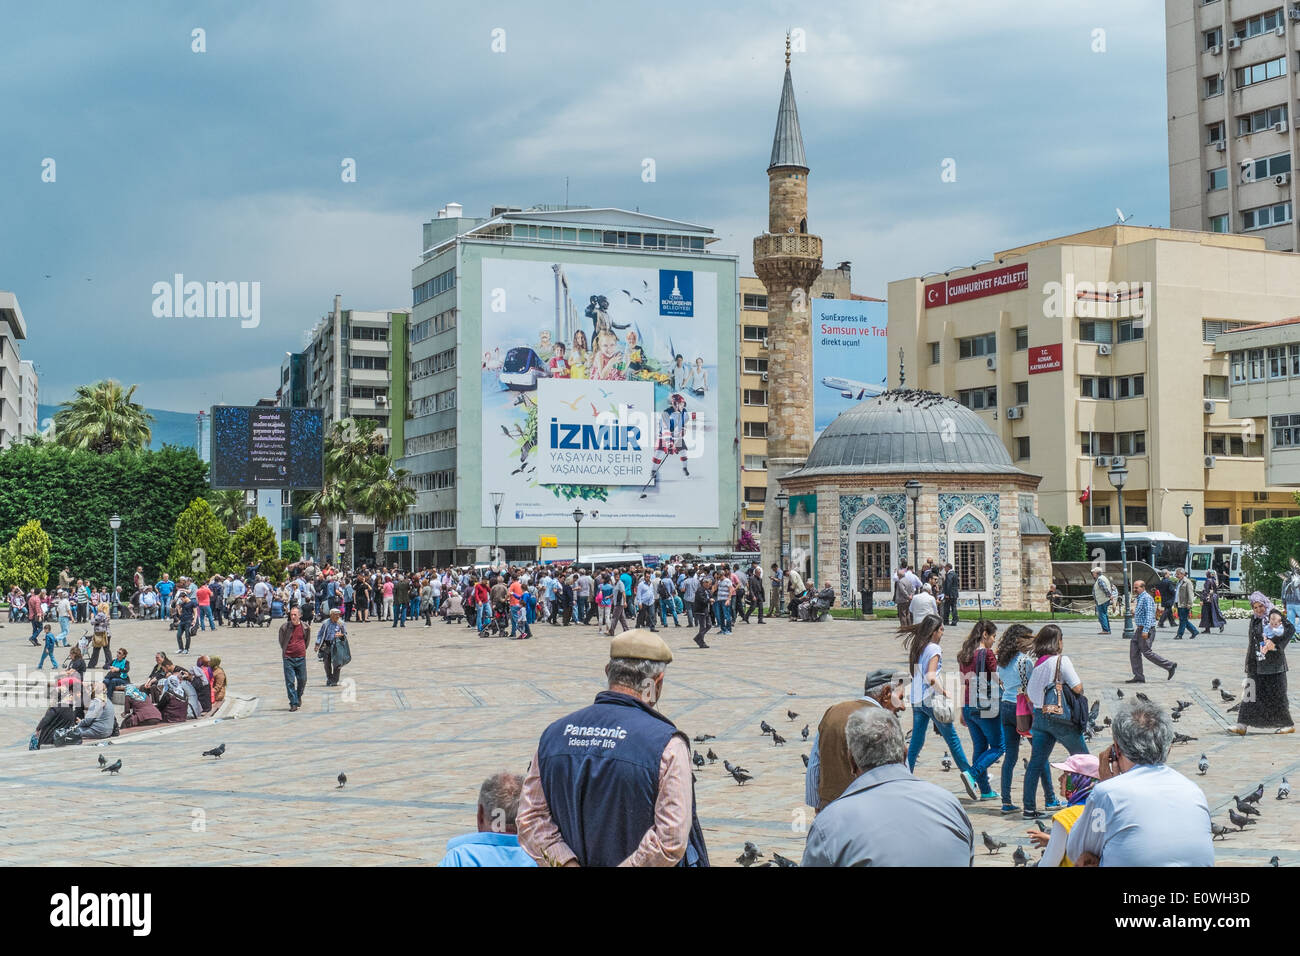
(925, 663)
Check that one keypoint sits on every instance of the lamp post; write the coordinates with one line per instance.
(913, 489)
(578, 515)
(115, 522)
(1117, 476)
(1187, 513)
(497, 498)
(315, 527)
(782, 502)
(352, 540)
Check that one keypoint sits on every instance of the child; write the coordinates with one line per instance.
(1272, 631)
(50, 645)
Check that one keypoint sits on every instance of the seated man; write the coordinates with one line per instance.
(497, 842)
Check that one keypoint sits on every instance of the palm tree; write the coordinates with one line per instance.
(348, 450)
(385, 496)
(230, 507)
(102, 417)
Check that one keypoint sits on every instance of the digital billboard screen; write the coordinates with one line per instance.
(267, 447)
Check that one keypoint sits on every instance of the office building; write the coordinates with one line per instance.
(13, 330)
(29, 394)
(1264, 395)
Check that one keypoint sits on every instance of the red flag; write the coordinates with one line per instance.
(1087, 493)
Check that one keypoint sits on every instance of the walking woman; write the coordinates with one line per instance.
(1014, 669)
(1211, 616)
(980, 711)
(1079, 774)
(1270, 633)
(1051, 665)
(925, 664)
(361, 593)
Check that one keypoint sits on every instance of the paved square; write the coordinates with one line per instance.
(438, 709)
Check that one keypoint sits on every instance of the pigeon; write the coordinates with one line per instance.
(1183, 704)
(1238, 820)
(791, 714)
(777, 738)
(1283, 789)
(1119, 693)
(1020, 857)
(1246, 808)
(791, 693)
(740, 776)
(1025, 761)
(1142, 697)
(102, 761)
(1227, 698)
(215, 751)
(1183, 738)
(733, 769)
(992, 844)
(947, 762)
(1234, 708)
(1256, 796)
(779, 860)
(805, 763)
(697, 759)
(1105, 721)
(804, 732)
(1218, 830)
(1202, 765)
(1214, 684)
(748, 855)
(1093, 711)
(764, 726)
(703, 737)
(112, 768)
(1175, 714)
(343, 778)
(713, 758)
(1273, 860)
(1041, 828)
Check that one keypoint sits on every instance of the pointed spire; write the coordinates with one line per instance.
(787, 144)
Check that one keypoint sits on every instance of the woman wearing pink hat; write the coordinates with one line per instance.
(1079, 772)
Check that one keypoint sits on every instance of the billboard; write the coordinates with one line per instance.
(267, 447)
(849, 355)
(599, 391)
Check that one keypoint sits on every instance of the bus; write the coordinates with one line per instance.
(601, 562)
(1160, 549)
(1225, 559)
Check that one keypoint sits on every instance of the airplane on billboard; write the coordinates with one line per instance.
(851, 389)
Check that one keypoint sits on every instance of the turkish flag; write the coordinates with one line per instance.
(1087, 493)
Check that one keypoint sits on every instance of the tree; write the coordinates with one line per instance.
(201, 545)
(103, 418)
(349, 450)
(385, 496)
(290, 551)
(25, 558)
(1074, 547)
(254, 544)
(230, 507)
(1267, 549)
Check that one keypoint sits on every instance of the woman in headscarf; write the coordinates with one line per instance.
(1079, 773)
(1263, 701)
(1211, 616)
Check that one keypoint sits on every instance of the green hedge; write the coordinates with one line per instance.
(1268, 547)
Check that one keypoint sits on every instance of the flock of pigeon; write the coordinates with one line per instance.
(115, 767)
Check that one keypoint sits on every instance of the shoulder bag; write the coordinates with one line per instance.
(941, 709)
(1055, 701)
(342, 654)
(1024, 708)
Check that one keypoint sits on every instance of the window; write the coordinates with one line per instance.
(1131, 443)
(1100, 514)
(1213, 85)
(758, 494)
(755, 365)
(1218, 516)
(1097, 443)
(1211, 329)
(1218, 179)
(1214, 132)
(1022, 448)
(376, 363)
(435, 441)
(1215, 386)
(969, 561)
(1255, 358)
(755, 429)
(1130, 330)
(1256, 26)
(753, 333)
(1259, 72)
(1091, 386)
(754, 302)
(934, 353)
(978, 398)
(1022, 338)
(1277, 361)
(369, 391)
(446, 399)
(1268, 167)
(1265, 216)
(1286, 433)
(1238, 367)
(874, 566)
(1212, 38)
(440, 362)
(1022, 392)
(1135, 514)
(756, 463)
(1219, 223)
(1233, 445)
(1130, 386)
(755, 396)
(1295, 360)
(368, 334)
(1096, 331)
(432, 480)
(438, 284)
(977, 345)
(1260, 120)
(442, 322)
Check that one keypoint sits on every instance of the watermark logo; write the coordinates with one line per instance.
(49, 170)
(1097, 300)
(212, 300)
(74, 909)
(948, 170)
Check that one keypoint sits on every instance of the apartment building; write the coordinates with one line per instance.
(13, 330)
(1264, 394)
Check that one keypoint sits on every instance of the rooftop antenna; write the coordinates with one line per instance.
(1120, 218)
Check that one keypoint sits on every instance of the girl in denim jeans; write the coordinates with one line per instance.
(925, 664)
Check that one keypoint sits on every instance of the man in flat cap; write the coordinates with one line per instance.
(829, 770)
(610, 785)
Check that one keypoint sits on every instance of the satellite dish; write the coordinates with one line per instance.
(1120, 217)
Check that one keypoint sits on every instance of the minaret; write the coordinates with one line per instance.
(787, 260)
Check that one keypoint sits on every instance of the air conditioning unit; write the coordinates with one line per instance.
(1281, 30)
(1234, 43)
(1103, 349)
(1220, 146)
(1103, 461)
(1279, 126)
(1209, 461)
(1118, 461)
(1208, 406)
(1281, 179)
(991, 363)
(765, 341)
(1014, 412)
(765, 376)
(381, 399)
(1216, 49)
(1294, 13)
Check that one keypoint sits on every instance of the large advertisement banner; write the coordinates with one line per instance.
(599, 387)
(849, 355)
(262, 447)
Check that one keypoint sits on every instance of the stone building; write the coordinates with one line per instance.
(849, 519)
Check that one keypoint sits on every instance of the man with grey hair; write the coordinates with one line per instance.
(887, 817)
(610, 785)
(497, 842)
(1142, 812)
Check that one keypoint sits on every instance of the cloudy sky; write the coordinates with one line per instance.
(225, 165)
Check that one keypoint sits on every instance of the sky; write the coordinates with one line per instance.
(226, 165)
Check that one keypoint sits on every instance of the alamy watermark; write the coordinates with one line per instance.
(213, 300)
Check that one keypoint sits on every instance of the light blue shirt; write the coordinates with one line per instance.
(1150, 816)
(1144, 615)
(486, 849)
(1010, 676)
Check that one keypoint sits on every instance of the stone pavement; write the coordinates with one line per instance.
(433, 711)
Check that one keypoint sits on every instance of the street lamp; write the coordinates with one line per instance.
(1118, 475)
(578, 515)
(352, 540)
(1187, 513)
(115, 522)
(782, 501)
(315, 527)
(913, 489)
(497, 498)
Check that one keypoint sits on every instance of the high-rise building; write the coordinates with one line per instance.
(29, 394)
(203, 435)
(13, 329)
(1231, 77)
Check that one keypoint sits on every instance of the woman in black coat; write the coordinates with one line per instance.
(1263, 701)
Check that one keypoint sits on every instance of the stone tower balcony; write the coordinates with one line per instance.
(790, 245)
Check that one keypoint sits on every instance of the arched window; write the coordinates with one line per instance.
(873, 553)
(970, 550)
(803, 225)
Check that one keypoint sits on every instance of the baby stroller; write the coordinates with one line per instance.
(498, 624)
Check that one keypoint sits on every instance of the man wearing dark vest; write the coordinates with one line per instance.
(829, 770)
(610, 785)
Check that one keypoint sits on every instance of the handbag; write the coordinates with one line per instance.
(1024, 707)
(984, 701)
(1054, 700)
(342, 654)
(941, 709)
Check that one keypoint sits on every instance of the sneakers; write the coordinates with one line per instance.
(1136, 680)
(1054, 805)
(968, 781)
(1032, 814)
(700, 642)
(1285, 730)
(1172, 667)
(990, 796)
(1009, 808)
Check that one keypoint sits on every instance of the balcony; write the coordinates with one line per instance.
(800, 245)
